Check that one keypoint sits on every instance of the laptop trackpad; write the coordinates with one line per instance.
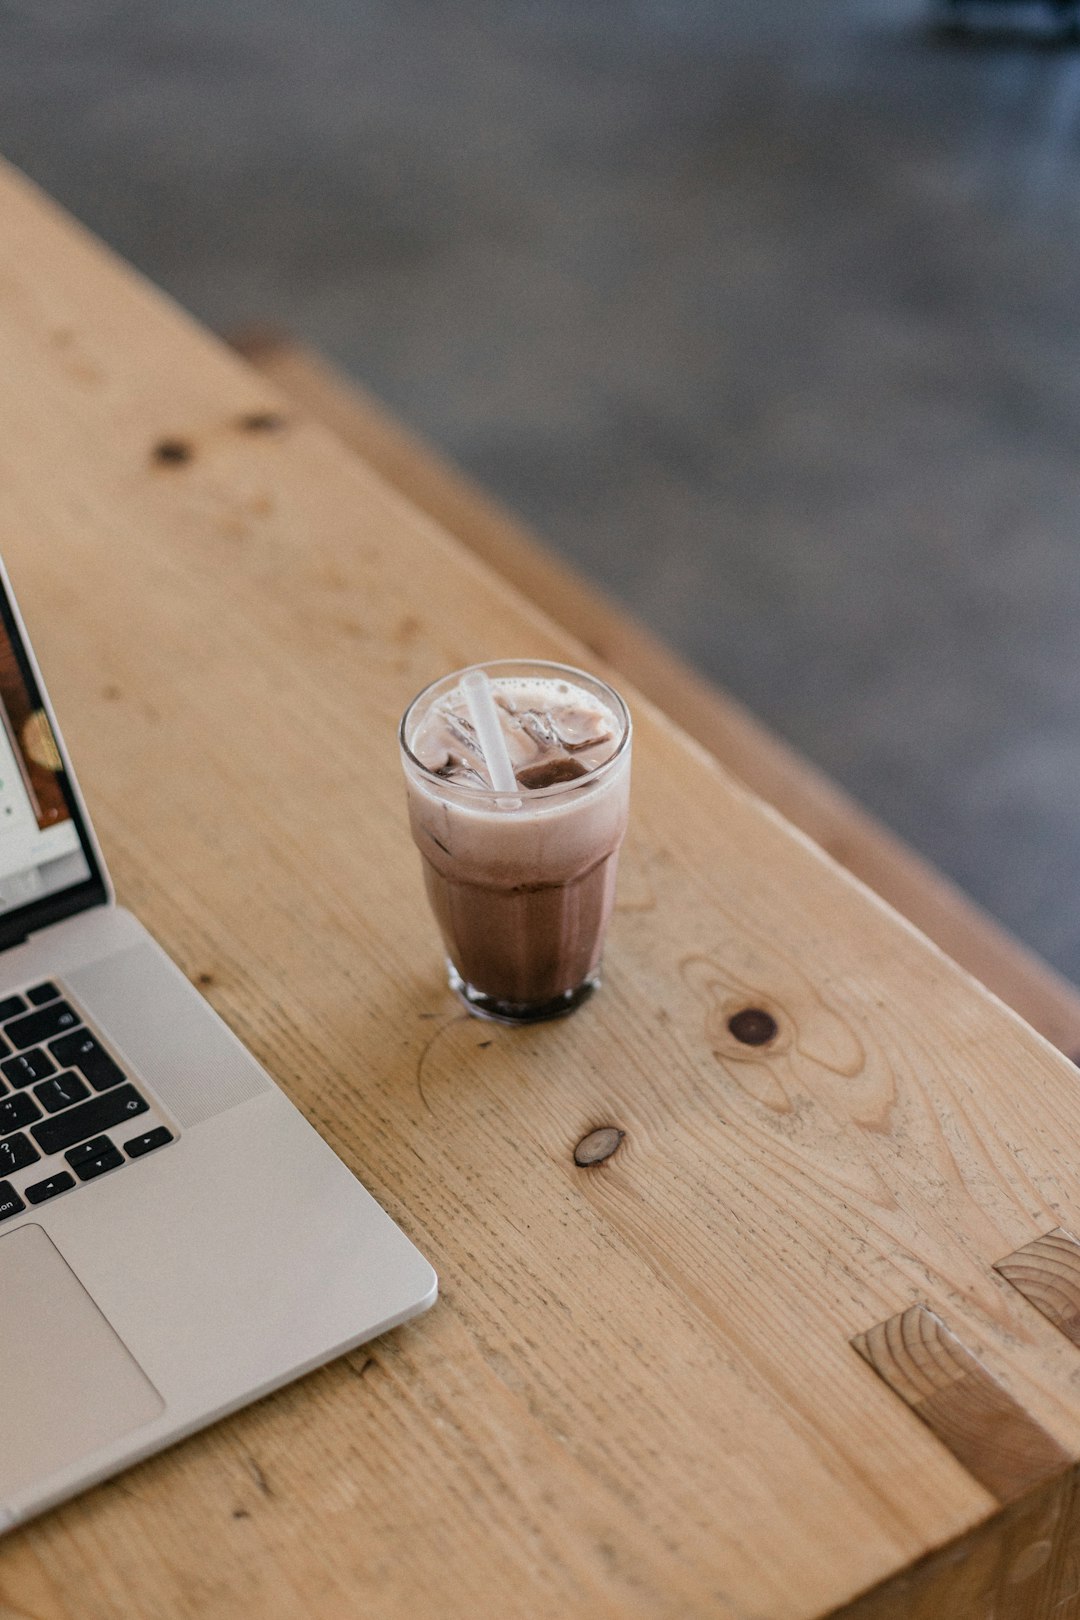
(67, 1383)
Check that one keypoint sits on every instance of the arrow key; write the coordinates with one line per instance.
(89, 1168)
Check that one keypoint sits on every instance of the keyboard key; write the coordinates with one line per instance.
(42, 1190)
(89, 1168)
(10, 1202)
(83, 1051)
(56, 1094)
(99, 1114)
(16, 1152)
(87, 1150)
(28, 1067)
(42, 1025)
(42, 993)
(146, 1144)
(17, 1110)
(11, 1007)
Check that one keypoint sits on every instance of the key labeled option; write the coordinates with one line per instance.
(10, 1202)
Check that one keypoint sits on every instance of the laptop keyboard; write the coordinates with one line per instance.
(66, 1106)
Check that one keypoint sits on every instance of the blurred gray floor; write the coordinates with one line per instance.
(766, 313)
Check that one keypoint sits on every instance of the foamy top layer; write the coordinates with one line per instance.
(554, 732)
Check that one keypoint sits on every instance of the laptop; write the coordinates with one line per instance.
(175, 1239)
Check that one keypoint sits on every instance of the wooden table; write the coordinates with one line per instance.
(639, 1395)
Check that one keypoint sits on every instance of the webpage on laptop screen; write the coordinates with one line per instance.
(40, 850)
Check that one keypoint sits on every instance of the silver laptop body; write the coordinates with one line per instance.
(175, 1239)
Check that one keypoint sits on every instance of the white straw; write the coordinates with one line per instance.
(476, 689)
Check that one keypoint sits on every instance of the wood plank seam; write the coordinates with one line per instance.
(986, 1429)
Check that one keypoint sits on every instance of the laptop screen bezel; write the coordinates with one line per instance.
(93, 890)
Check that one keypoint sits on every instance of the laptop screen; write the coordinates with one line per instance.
(47, 864)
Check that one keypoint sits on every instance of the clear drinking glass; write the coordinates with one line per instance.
(522, 884)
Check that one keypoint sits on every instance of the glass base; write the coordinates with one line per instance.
(519, 1012)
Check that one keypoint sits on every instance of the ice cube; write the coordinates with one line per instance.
(458, 770)
(549, 772)
(578, 728)
(539, 725)
(463, 731)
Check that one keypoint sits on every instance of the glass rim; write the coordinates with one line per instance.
(527, 795)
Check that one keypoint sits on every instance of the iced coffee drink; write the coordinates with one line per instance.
(518, 781)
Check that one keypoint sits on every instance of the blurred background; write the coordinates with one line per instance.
(765, 314)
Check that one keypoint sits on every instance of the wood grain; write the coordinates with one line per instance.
(1047, 1273)
(983, 1426)
(1022, 1565)
(636, 1397)
(738, 740)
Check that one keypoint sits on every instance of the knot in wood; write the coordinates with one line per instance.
(753, 1026)
(171, 452)
(262, 422)
(598, 1145)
